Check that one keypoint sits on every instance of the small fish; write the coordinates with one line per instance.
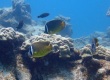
(54, 26)
(20, 25)
(43, 15)
(39, 49)
(94, 45)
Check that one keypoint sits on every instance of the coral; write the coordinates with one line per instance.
(102, 53)
(21, 11)
(65, 62)
(10, 34)
(22, 73)
(9, 41)
(10, 63)
(59, 43)
(97, 64)
(103, 37)
(10, 17)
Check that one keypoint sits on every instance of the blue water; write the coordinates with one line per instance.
(87, 16)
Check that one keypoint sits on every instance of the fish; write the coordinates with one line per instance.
(43, 15)
(20, 25)
(54, 26)
(94, 45)
(39, 49)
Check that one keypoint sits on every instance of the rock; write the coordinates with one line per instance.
(16, 65)
(11, 64)
(10, 41)
(86, 50)
(101, 73)
(21, 71)
(92, 65)
(104, 72)
(10, 17)
(21, 11)
(59, 43)
(103, 37)
(6, 17)
(102, 53)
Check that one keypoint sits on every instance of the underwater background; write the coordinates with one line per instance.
(87, 16)
(36, 45)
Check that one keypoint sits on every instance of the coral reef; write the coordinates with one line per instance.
(10, 41)
(21, 11)
(10, 17)
(63, 63)
(97, 64)
(103, 37)
(69, 59)
(60, 44)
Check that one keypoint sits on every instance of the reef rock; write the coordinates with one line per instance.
(11, 64)
(16, 65)
(10, 40)
(59, 43)
(101, 52)
(97, 64)
(21, 11)
(10, 17)
(103, 37)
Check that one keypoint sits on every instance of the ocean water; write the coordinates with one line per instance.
(87, 16)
